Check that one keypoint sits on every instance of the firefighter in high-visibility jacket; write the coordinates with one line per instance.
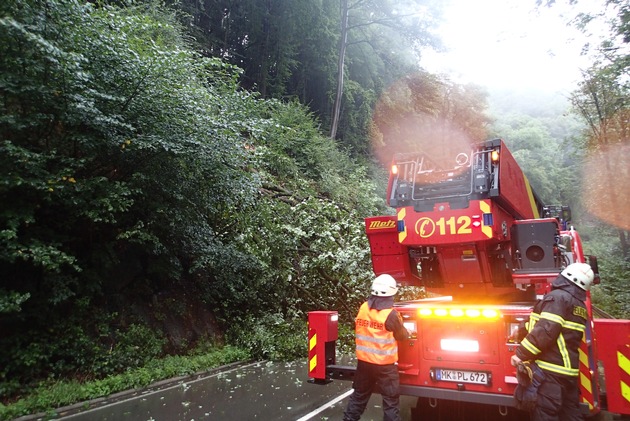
(555, 329)
(378, 328)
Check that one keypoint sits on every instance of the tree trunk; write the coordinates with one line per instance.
(625, 247)
(342, 54)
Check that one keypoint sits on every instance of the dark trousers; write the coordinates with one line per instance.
(370, 378)
(558, 399)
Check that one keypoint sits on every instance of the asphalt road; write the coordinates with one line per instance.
(256, 391)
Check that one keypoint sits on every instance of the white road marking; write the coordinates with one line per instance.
(325, 406)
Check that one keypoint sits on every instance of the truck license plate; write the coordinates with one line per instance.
(462, 376)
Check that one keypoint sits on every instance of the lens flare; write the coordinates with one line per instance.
(609, 200)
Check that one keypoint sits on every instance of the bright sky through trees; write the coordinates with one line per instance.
(509, 43)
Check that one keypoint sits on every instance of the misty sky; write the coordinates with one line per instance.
(509, 43)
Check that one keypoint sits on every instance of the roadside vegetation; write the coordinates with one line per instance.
(172, 199)
(53, 394)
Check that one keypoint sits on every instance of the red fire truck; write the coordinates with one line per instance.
(474, 234)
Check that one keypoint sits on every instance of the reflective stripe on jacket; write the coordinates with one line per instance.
(375, 344)
(556, 327)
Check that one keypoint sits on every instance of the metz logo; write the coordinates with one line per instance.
(379, 225)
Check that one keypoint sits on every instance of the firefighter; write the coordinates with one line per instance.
(378, 327)
(556, 327)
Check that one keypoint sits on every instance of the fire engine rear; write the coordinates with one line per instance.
(476, 237)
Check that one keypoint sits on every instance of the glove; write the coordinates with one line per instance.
(524, 373)
(514, 360)
(529, 377)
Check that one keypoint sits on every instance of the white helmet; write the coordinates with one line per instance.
(580, 274)
(384, 286)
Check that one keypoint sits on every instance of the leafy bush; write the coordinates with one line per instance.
(130, 165)
(346, 338)
(51, 395)
(272, 338)
(133, 347)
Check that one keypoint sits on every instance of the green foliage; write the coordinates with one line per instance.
(306, 235)
(346, 342)
(548, 162)
(270, 337)
(612, 294)
(51, 395)
(134, 347)
(121, 154)
(134, 127)
(70, 347)
(131, 166)
(11, 301)
(407, 293)
(601, 102)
